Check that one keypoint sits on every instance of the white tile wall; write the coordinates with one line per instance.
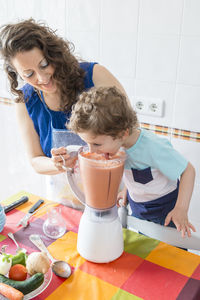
(157, 57)
(79, 39)
(83, 15)
(151, 46)
(119, 17)
(191, 151)
(4, 85)
(189, 71)
(15, 11)
(53, 14)
(191, 20)
(124, 48)
(161, 16)
(3, 11)
(186, 107)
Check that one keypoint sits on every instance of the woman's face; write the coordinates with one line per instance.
(33, 68)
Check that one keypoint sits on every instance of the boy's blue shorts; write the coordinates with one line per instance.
(154, 210)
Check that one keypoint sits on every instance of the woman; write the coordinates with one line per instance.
(54, 78)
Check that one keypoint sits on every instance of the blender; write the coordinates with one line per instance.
(100, 236)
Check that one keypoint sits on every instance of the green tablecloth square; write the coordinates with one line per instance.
(125, 296)
(138, 244)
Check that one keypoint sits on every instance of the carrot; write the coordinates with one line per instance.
(10, 292)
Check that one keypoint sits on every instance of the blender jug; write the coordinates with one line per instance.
(100, 237)
(100, 178)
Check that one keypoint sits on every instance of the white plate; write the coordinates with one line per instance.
(40, 289)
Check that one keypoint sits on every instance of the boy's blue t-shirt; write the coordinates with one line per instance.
(152, 168)
(153, 151)
(44, 118)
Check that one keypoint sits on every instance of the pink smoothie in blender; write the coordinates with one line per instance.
(101, 178)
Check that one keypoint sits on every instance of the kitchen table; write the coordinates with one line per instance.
(148, 269)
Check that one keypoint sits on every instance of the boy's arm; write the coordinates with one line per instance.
(179, 213)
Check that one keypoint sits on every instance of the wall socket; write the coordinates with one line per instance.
(149, 106)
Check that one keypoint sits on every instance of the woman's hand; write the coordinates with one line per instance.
(62, 159)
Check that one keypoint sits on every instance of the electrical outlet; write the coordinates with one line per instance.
(149, 106)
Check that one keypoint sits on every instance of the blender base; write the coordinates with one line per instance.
(100, 242)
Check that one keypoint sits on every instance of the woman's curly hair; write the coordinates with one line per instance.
(103, 111)
(28, 34)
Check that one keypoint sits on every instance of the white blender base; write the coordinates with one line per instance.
(100, 242)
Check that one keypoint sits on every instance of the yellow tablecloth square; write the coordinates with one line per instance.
(67, 246)
(173, 258)
(83, 286)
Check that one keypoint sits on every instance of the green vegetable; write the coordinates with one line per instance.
(6, 257)
(19, 258)
(26, 286)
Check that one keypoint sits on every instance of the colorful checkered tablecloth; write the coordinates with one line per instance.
(148, 269)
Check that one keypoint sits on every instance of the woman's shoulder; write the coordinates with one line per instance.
(30, 95)
(88, 78)
(87, 66)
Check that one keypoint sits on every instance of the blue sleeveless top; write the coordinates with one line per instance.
(44, 118)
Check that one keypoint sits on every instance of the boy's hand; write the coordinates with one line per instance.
(122, 197)
(180, 219)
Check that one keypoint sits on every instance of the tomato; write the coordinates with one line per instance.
(18, 272)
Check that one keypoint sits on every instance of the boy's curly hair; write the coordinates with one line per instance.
(28, 34)
(103, 111)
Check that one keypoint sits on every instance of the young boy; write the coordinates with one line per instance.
(104, 119)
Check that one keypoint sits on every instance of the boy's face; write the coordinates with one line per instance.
(101, 143)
